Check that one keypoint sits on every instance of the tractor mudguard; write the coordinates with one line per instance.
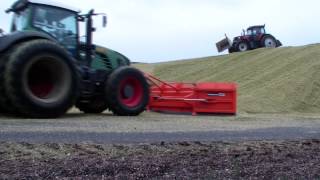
(278, 43)
(9, 40)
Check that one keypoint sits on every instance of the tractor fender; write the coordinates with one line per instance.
(279, 43)
(270, 35)
(11, 39)
(264, 35)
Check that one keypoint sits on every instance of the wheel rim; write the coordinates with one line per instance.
(131, 92)
(269, 43)
(47, 79)
(243, 47)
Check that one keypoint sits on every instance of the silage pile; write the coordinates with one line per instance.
(282, 80)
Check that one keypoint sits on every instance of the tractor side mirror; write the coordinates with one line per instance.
(104, 21)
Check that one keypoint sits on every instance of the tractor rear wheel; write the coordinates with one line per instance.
(127, 92)
(41, 79)
(5, 103)
(243, 46)
(3, 98)
(269, 42)
(95, 106)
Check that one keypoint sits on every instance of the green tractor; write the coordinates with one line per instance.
(45, 69)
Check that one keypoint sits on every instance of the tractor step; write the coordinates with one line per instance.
(195, 98)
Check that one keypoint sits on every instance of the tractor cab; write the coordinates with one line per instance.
(256, 30)
(253, 35)
(59, 22)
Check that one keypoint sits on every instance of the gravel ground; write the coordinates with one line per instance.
(154, 127)
(274, 159)
(184, 160)
(156, 122)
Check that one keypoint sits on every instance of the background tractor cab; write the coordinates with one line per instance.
(45, 69)
(255, 33)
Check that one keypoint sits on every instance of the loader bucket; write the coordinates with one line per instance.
(223, 44)
(194, 98)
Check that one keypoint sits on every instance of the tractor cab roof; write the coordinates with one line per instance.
(22, 4)
(256, 27)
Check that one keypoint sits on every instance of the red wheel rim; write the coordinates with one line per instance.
(41, 90)
(131, 92)
(46, 79)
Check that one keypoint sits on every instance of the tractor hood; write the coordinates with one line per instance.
(237, 38)
(113, 55)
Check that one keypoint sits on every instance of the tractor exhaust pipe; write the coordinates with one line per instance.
(89, 30)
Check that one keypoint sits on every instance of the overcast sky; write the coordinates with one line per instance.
(164, 30)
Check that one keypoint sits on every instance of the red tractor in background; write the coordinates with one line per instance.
(255, 37)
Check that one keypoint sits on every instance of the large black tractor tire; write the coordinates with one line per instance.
(41, 79)
(5, 103)
(269, 42)
(242, 46)
(127, 92)
(95, 106)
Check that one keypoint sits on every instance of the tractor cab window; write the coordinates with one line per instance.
(255, 31)
(20, 20)
(59, 23)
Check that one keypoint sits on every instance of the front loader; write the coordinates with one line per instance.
(45, 69)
